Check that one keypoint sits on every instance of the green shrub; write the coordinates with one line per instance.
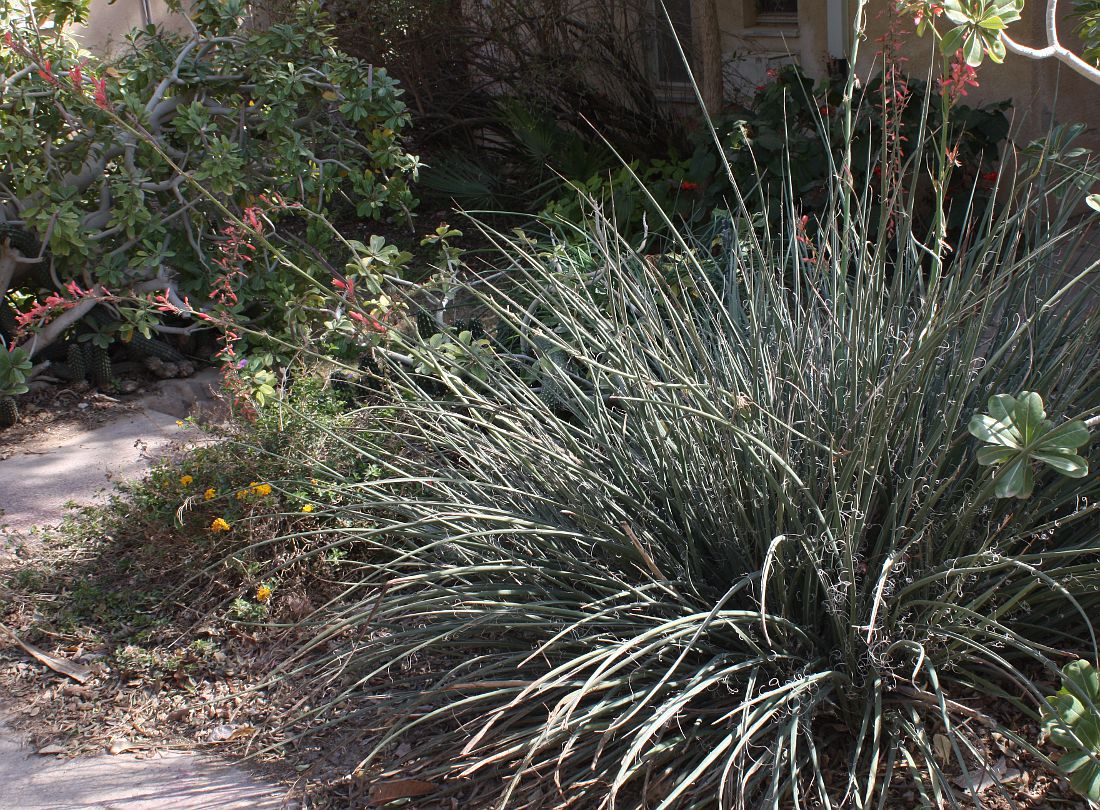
(790, 139)
(734, 548)
(100, 161)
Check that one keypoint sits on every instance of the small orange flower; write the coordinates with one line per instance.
(307, 508)
(209, 495)
(186, 480)
(219, 525)
(260, 489)
(263, 593)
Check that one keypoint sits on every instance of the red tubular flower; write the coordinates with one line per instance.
(373, 323)
(100, 86)
(346, 285)
(962, 76)
(46, 72)
(76, 76)
(687, 185)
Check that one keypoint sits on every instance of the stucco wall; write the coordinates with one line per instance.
(1042, 91)
(752, 46)
(108, 24)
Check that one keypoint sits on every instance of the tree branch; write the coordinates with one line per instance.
(1054, 49)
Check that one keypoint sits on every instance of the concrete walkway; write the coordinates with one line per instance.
(173, 781)
(77, 465)
(73, 465)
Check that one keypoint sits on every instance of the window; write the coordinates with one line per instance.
(767, 8)
(670, 67)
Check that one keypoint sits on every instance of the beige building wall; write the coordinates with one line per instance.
(108, 23)
(1043, 91)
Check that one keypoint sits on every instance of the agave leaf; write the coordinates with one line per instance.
(994, 431)
(1067, 463)
(995, 455)
(1086, 777)
(1066, 437)
(1015, 480)
(1029, 416)
(1083, 679)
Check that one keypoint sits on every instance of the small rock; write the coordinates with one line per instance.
(120, 745)
(128, 386)
(221, 733)
(52, 748)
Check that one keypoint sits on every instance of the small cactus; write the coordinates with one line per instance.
(9, 412)
(425, 325)
(77, 363)
(99, 363)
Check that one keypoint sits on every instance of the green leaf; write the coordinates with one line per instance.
(1018, 434)
(1083, 679)
(997, 50)
(1002, 406)
(995, 455)
(952, 40)
(973, 50)
(1069, 464)
(1067, 436)
(1086, 779)
(1093, 201)
(1028, 416)
(1015, 480)
(956, 14)
(994, 431)
(1071, 719)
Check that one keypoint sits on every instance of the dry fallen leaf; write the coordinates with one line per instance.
(996, 774)
(941, 745)
(75, 671)
(52, 748)
(383, 792)
(120, 745)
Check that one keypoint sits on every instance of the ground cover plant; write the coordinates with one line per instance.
(155, 596)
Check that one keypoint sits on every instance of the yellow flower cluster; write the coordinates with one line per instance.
(307, 508)
(219, 525)
(186, 480)
(254, 489)
(210, 494)
(263, 593)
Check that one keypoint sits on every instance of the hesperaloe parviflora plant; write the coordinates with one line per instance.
(729, 548)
